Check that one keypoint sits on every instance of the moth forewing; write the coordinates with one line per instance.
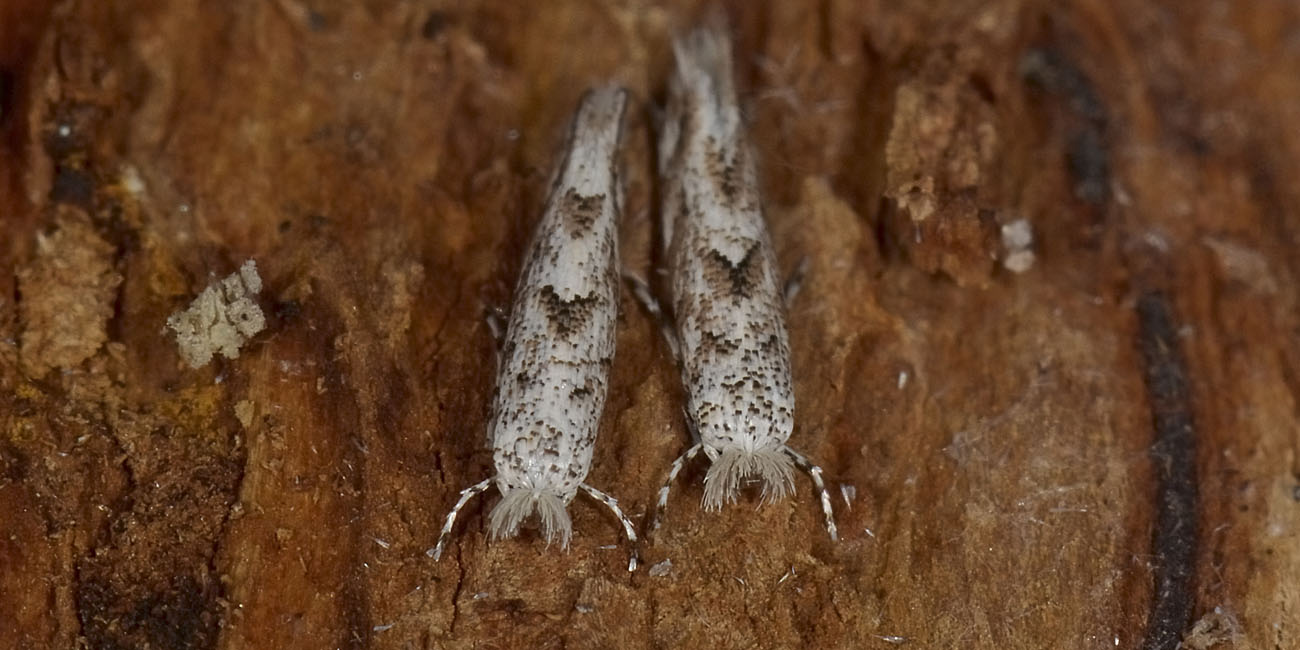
(559, 341)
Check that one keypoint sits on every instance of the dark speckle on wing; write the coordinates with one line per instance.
(568, 316)
(580, 212)
(734, 278)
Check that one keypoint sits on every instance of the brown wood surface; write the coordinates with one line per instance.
(1100, 452)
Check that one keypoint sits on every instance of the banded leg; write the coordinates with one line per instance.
(815, 473)
(794, 282)
(642, 292)
(690, 425)
(661, 505)
(465, 495)
(611, 503)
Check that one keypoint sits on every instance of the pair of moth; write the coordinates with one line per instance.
(728, 333)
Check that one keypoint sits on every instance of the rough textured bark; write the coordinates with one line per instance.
(1098, 452)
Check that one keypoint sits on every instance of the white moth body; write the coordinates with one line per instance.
(559, 344)
(727, 300)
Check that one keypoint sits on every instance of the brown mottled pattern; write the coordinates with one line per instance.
(582, 211)
(738, 279)
(725, 164)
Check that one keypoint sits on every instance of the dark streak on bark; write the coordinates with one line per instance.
(348, 481)
(1174, 455)
(1053, 72)
(455, 593)
(1087, 154)
(1173, 451)
(8, 85)
(355, 593)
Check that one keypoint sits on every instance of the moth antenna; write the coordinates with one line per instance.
(465, 495)
(815, 473)
(661, 504)
(611, 503)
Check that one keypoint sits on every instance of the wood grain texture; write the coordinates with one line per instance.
(1100, 452)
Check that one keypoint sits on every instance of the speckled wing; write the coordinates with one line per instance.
(725, 291)
(559, 343)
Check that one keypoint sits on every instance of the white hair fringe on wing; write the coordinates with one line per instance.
(704, 65)
(704, 56)
(727, 474)
(517, 504)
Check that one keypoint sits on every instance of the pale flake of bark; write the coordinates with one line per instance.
(221, 319)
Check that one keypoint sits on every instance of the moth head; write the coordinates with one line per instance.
(733, 468)
(518, 503)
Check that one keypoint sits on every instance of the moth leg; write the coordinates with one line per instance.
(690, 425)
(642, 292)
(661, 505)
(794, 281)
(612, 504)
(465, 495)
(495, 317)
(815, 473)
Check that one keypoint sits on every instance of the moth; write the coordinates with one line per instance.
(559, 343)
(729, 336)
